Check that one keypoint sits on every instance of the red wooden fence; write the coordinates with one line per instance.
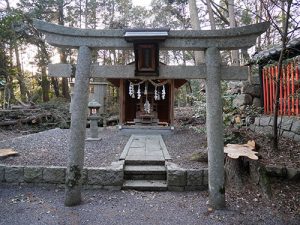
(289, 92)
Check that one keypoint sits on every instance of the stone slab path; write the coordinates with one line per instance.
(150, 148)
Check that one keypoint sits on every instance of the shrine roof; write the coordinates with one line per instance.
(272, 54)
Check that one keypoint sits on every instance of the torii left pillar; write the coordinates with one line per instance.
(78, 128)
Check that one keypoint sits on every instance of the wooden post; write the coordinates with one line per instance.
(122, 101)
(215, 140)
(171, 104)
(78, 129)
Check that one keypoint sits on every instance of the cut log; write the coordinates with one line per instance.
(6, 152)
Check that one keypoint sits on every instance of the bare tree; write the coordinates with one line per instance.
(234, 53)
(195, 22)
(284, 38)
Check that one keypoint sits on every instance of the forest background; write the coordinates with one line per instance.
(24, 54)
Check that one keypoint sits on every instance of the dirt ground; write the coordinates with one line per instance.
(182, 145)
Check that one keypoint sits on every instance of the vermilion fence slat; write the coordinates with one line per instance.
(264, 89)
(292, 88)
(280, 93)
(271, 90)
(284, 90)
(288, 90)
(298, 88)
(268, 99)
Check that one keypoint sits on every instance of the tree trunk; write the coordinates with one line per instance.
(45, 84)
(195, 22)
(234, 53)
(283, 49)
(62, 52)
(20, 76)
(211, 15)
(233, 172)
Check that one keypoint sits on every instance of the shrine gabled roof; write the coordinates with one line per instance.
(273, 54)
(152, 33)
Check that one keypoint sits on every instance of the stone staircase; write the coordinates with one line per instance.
(145, 169)
(145, 175)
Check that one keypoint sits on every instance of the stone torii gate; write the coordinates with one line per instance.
(211, 41)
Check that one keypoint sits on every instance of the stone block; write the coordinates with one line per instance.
(33, 174)
(293, 173)
(259, 129)
(285, 123)
(2, 173)
(297, 137)
(288, 134)
(255, 79)
(264, 121)
(112, 188)
(176, 188)
(84, 176)
(267, 130)
(176, 176)
(256, 102)
(252, 89)
(257, 121)
(106, 176)
(205, 177)
(296, 127)
(54, 174)
(14, 174)
(196, 188)
(242, 99)
(252, 127)
(276, 171)
(194, 177)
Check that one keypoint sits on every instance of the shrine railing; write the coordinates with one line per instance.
(289, 91)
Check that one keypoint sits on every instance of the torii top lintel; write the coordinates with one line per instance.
(227, 39)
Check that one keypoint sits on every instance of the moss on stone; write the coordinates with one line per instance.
(74, 176)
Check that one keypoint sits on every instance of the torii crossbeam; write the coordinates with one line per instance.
(211, 41)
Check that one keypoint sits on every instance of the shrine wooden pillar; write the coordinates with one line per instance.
(171, 102)
(122, 94)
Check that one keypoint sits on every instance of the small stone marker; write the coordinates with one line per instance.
(6, 152)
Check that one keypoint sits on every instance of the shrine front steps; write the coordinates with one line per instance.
(145, 177)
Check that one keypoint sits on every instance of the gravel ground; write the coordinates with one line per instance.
(34, 206)
(51, 147)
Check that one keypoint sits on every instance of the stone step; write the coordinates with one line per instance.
(146, 185)
(145, 176)
(144, 169)
(149, 161)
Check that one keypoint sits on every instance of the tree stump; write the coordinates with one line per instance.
(234, 162)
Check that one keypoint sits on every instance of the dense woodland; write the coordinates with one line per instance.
(24, 53)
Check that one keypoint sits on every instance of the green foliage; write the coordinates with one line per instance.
(246, 17)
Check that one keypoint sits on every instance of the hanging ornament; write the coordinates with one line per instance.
(146, 88)
(139, 92)
(163, 92)
(147, 106)
(156, 94)
(131, 90)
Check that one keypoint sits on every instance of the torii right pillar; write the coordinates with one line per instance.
(215, 130)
